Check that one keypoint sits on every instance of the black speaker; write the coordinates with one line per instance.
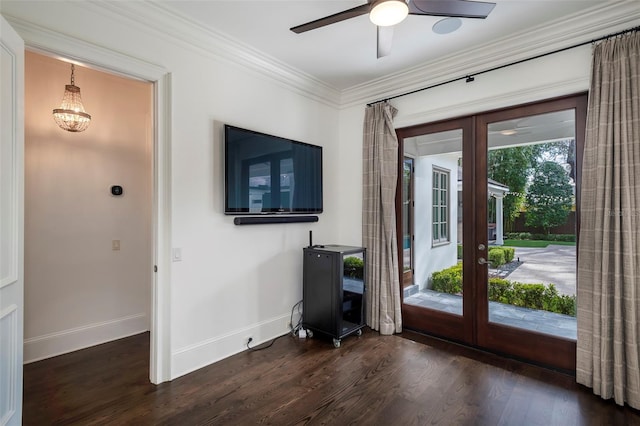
(259, 220)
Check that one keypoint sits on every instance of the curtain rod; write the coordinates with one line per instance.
(470, 77)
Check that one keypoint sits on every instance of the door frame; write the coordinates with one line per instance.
(12, 218)
(546, 349)
(443, 324)
(54, 44)
(473, 327)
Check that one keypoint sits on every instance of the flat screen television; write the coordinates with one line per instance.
(265, 174)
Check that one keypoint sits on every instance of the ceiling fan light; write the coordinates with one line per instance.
(388, 12)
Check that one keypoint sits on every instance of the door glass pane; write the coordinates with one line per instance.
(437, 221)
(352, 291)
(407, 221)
(532, 223)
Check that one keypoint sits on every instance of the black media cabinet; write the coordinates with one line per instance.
(333, 291)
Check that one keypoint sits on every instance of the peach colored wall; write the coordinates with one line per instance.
(78, 291)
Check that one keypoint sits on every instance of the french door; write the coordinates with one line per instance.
(494, 224)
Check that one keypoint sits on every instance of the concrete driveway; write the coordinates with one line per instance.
(550, 265)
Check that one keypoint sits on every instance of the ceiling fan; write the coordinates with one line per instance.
(386, 13)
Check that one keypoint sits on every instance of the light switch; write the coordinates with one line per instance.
(115, 245)
(177, 254)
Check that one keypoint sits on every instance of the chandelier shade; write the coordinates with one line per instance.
(71, 115)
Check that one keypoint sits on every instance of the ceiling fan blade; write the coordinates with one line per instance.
(451, 8)
(385, 39)
(332, 19)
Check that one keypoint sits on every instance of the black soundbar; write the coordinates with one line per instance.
(259, 220)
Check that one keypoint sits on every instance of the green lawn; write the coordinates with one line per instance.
(536, 243)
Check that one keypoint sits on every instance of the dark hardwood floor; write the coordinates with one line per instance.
(371, 380)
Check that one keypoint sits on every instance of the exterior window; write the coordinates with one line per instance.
(440, 206)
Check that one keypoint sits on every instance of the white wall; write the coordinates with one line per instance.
(427, 257)
(349, 168)
(234, 281)
(78, 291)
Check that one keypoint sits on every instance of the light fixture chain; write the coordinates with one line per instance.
(72, 75)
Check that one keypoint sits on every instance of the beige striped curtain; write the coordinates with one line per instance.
(608, 346)
(380, 175)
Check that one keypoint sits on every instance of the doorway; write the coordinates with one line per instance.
(88, 251)
(495, 200)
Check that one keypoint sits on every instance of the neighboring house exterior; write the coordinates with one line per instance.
(438, 214)
(435, 250)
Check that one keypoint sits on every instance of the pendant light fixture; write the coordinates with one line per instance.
(71, 115)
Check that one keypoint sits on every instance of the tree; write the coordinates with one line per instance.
(511, 167)
(557, 151)
(549, 197)
(514, 167)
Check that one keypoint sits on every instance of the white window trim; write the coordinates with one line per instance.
(441, 171)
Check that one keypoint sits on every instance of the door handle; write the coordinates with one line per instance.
(482, 261)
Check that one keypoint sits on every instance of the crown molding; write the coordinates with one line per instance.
(67, 48)
(165, 24)
(583, 27)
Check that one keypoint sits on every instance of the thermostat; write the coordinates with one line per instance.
(116, 190)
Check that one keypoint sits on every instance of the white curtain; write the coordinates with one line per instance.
(380, 177)
(608, 346)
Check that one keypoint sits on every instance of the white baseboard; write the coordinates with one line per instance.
(194, 357)
(62, 342)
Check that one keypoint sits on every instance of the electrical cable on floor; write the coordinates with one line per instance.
(294, 330)
(259, 348)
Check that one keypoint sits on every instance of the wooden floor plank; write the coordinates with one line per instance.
(371, 380)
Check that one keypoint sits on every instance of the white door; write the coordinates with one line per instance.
(11, 222)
